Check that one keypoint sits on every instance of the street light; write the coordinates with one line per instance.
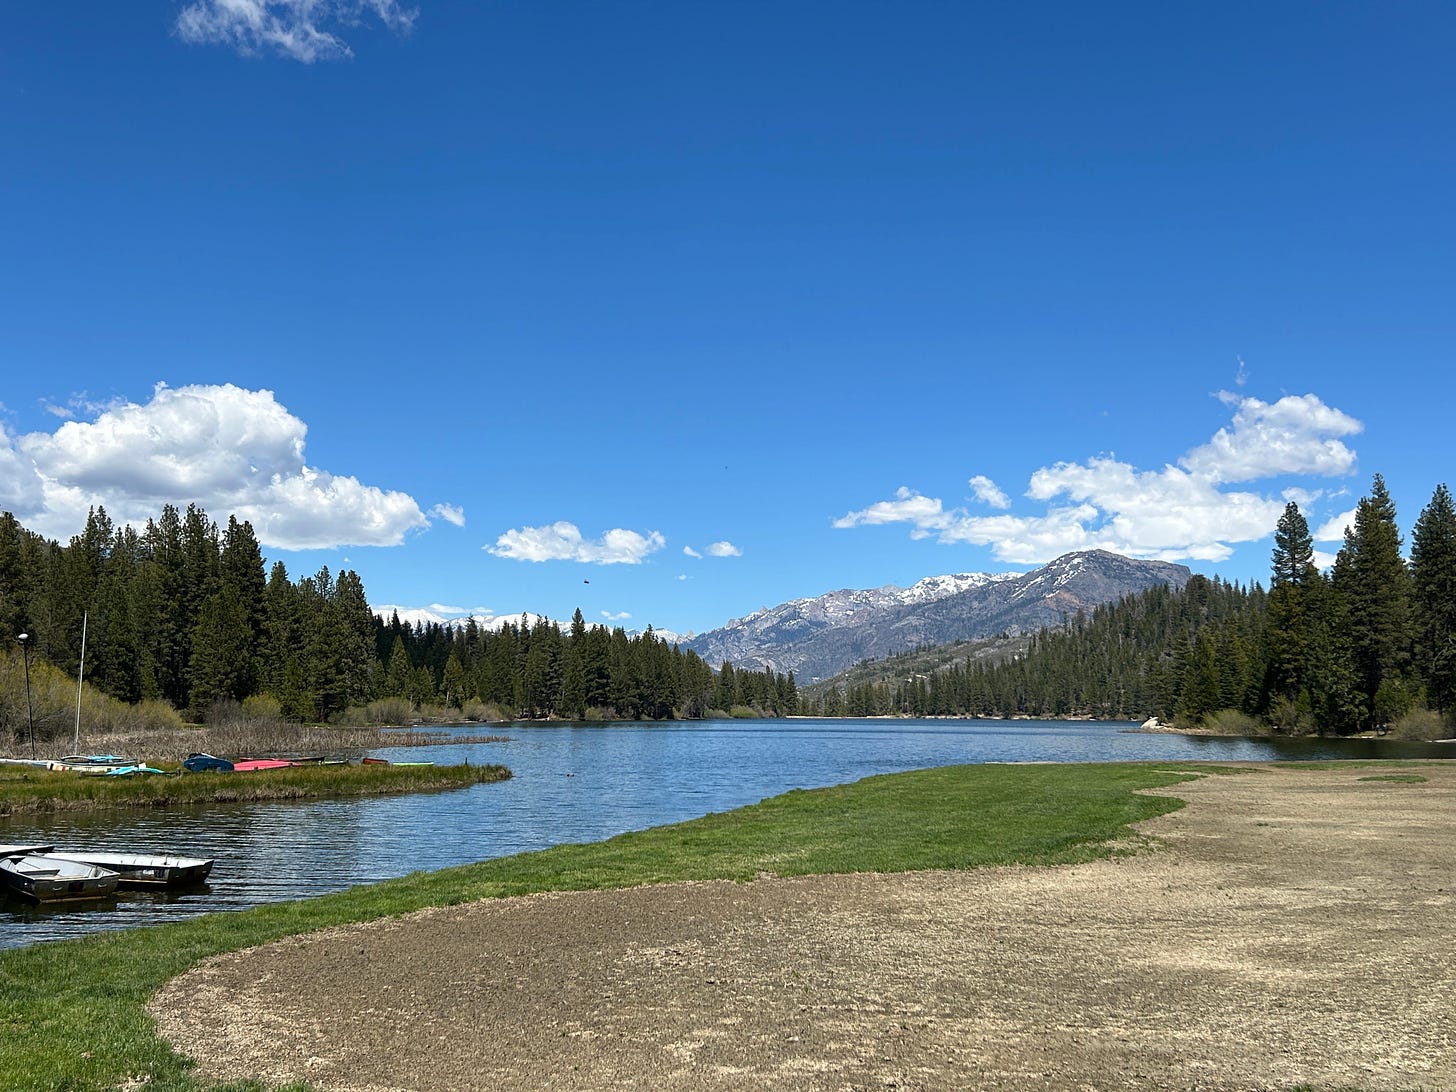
(29, 709)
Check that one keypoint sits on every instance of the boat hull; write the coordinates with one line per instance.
(46, 879)
(199, 762)
(141, 870)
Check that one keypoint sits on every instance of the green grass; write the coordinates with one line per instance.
(1404, 779)
(32, 791)
(72, 1016)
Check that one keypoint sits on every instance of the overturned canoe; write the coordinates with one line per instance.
(248, 765)
(199, 762)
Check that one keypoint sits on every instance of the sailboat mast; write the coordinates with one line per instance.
(76, 746)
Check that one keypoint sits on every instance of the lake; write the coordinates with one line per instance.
(571, 784)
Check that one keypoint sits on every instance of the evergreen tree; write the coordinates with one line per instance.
(397, 674)
(1433, 575)
(1293, 573)
(222, 656)
(1374, 582)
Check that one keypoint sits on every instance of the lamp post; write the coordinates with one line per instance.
(29, 709)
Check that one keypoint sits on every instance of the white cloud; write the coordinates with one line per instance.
(1177, 512)
(714, 549)
(988, 492)
(22, 492)
(926, 513)
(1302, 497)
(298, 29)
(1333, 529)
(619, 616)
(450, 513)
(562, 541)
(229, 450)
(1296, 435)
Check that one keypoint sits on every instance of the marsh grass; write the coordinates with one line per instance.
(25, 791)
(72, 1014)
(155, 732)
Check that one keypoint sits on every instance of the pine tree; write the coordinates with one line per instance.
(1433, 577)
(1293, 573)
(1372, 577)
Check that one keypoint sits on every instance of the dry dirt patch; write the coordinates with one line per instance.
(1296, 928)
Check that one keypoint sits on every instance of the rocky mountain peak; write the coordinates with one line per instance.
(821, 636)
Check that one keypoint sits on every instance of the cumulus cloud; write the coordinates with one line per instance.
(303, 30)
(1333, 529)
(1177, 512)
(926, 514)
(988, 492)
(229, 450)
(688, 551)
(450, 513)
(618, 616)
(562, 541)
(1298, 434)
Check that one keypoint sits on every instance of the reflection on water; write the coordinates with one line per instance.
(571, 784)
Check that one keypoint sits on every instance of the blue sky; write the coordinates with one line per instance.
(673, 311)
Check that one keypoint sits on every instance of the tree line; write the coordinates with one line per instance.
(1355, 648)
(187, 612)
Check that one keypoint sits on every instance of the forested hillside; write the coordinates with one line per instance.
(1357, 648)
(188, 613)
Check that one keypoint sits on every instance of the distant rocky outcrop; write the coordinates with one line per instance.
(819, 637)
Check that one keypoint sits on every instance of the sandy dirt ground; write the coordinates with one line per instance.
(1295, 928)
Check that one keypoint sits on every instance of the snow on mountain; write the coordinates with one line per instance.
(821, 636)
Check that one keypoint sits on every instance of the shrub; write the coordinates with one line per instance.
(1291, 718)
(381, 711)
(483, 712)
(1418, 723)
(1231, 722)
(262, 707)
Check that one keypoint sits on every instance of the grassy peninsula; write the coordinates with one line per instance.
(26, 791)
(72, 1014)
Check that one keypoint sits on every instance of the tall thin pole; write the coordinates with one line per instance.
(76, 746)
(29, 709)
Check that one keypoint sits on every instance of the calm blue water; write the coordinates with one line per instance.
(571, 784)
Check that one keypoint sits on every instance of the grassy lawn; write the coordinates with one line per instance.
(72, 1017)
(27, 791)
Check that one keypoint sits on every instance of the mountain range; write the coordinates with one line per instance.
(820, 637)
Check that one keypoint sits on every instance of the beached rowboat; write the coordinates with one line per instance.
(141, 869)
(49, 879)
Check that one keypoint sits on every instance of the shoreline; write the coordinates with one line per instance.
(1254, 923)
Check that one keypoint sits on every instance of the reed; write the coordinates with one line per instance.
(154, 731)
